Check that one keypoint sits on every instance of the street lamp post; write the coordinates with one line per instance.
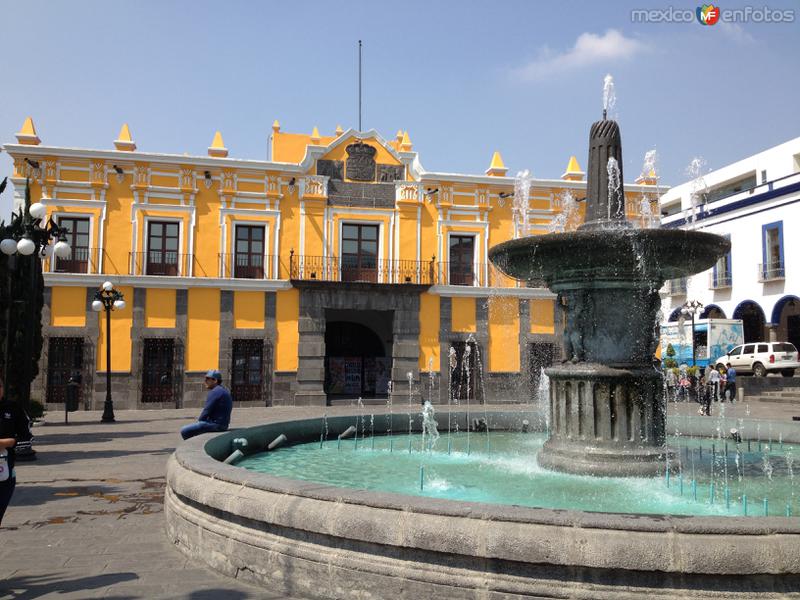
(108, 299)
(691, 308)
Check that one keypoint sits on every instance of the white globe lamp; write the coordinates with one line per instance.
(8, 246)
(62, 250)
(97, 306)
(26, 247)
(38, 210)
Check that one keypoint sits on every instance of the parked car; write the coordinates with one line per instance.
(761, 358)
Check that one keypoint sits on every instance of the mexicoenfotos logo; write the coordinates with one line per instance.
(708, 14)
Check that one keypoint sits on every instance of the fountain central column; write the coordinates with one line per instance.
(606, 408)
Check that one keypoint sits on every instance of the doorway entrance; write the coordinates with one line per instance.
(541, 355)
(464, 375)
(358, 357)
(157, 370)
(64, 360)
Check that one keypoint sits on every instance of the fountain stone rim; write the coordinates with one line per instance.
(193, 454)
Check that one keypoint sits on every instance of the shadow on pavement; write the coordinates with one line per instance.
(57, 457)
(216, 593)
(43, 438)
(28, 587)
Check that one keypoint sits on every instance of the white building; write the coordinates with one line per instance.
(756, 203)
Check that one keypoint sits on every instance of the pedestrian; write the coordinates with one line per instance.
(216, 414)
(730, 383)
(705, 397)
(14, 427)
(712, 381)
(671, 381)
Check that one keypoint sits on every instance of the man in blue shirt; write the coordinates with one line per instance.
(730, 384)
(216, 414)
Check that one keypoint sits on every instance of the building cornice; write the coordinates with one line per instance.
(152, 157)
(483, 292)
(154, 281)
(312, 153)
(535, 183)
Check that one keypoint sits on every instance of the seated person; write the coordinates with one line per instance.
(216, 414)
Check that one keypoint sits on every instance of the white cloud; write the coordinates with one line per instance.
(589, 49)
(735, 32)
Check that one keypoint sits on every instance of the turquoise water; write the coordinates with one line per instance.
(501, 468)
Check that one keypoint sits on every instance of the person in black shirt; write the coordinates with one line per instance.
(13, 428)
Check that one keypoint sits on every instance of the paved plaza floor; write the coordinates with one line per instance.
(87, 517)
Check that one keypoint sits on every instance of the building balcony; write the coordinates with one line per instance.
(247, 266)
(720, 281)
(160, 262)
(771, 272)
(676, 287)
(365, 270)
(81, 260)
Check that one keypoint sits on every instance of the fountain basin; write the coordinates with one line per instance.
(600, 257)
(313, 540)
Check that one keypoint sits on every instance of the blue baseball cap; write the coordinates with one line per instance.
(214, 374)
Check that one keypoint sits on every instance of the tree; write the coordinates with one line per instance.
(21, 303)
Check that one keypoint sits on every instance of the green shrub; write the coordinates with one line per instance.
(35, 409)
(670, 363)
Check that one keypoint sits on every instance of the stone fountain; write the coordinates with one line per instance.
(607, 411)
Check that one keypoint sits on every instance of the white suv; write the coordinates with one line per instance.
(762, 358)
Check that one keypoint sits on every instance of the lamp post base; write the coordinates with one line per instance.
(108, 413)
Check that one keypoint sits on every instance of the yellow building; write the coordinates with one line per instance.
(332, 271)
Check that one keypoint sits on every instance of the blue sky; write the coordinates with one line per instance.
(464, 78)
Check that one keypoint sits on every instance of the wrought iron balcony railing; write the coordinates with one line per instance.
(771, 271)
(676, 287)
(362, 269)
(247, 266)
(719, 281)
(160, 262)
(81, 260)
(450, 273)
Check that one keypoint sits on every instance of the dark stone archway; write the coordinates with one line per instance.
(712, 311)
(753, 320)
(356, 365)
(317, 298)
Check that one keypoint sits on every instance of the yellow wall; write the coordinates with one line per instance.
(287, 311)
(248, 310)
(429, 315)
(503, 334)
(542, 316)
(462, 318)
(159, 308)
(121, 322)
(202, 344)
(459, 207)
(68, 307)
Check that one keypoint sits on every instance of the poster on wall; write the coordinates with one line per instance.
(336, 373)
(383, 367)
(369, 376)
(352, 375)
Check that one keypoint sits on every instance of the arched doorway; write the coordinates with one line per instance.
(356, 365)
(712, 311)
(786, 316)
(753, 320)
